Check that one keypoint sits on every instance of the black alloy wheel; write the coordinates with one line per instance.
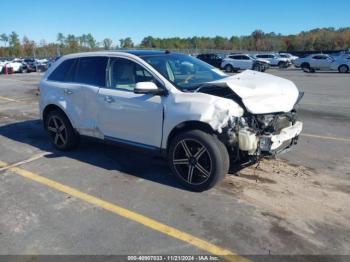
(199, 160)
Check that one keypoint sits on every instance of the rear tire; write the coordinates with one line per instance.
(229, 68)
(343, 69)
(198, 160)
(60, 131)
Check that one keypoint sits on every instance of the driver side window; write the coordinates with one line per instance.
(124, 74)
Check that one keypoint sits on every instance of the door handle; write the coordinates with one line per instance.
(109, 99)
(68, 91)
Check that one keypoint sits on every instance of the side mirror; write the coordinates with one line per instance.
(147, 88)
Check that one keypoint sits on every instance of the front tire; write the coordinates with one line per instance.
(343, 69)
(307, 68)
(60, 131)
(198, 160)
(258, 68)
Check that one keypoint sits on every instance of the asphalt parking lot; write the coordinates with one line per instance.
(105, 200)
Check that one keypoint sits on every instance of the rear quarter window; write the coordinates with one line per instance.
(91, 71)
(64, 71)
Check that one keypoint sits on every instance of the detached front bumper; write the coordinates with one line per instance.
(278, 143)
(272, 144)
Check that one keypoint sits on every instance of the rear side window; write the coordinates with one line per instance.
(91, 71)
(64, 72)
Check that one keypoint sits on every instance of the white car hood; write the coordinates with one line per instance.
(262, 93)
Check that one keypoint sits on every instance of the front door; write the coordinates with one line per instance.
(125, 116)
(321, 62)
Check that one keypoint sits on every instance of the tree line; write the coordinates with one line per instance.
(319, 39)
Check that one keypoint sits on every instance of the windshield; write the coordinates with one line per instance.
(185, 72)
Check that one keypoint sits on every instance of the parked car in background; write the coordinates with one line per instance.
(236, 62)
(17, 65)
(290, 57)
(2, 66)
(313, 62)
(212, 59)
(341, 63)
(275, 60)
(31, 64)
(42, 64)
(170, 104)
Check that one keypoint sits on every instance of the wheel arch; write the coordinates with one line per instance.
(51, 107)
(343, 65)
(186, 126)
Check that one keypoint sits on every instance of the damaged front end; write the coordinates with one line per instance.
(268, 134)
(260, 134)
(264, 135)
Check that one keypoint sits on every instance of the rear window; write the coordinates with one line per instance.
(64, 72)
(92, 71)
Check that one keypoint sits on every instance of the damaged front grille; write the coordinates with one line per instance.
(272, 123)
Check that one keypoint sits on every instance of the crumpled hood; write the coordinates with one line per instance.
(262, 93)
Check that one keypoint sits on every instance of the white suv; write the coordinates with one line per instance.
(275, 60)
(288, 56)
(311, 63)
(170, 104)
(234, 63)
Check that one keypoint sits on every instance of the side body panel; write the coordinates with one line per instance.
(183, 107)
(55, 93)
(130, 117)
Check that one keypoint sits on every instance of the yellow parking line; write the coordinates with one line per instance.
(2, 164)
(7, 99)
(146, 221)
(326, 137)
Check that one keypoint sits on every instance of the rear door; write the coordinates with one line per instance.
(272, 59)
(246, 62)
(89, 77)
(65, 91)
(235, 61)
